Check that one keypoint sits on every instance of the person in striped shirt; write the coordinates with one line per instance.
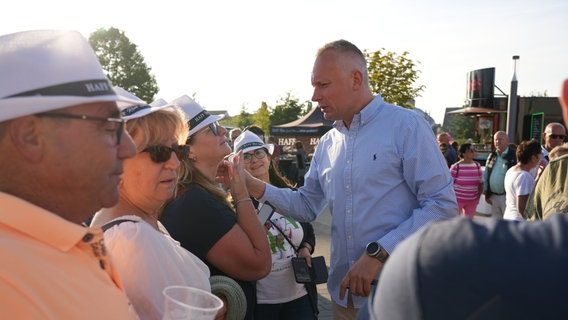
(468, 180)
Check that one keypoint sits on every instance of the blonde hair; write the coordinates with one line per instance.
(190, 176)
(158, 126)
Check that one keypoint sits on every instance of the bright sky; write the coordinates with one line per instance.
(239, 53)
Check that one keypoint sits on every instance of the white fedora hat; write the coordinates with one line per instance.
(198, 117)
(139, 110)
(159, 102)
(43, 70)
(249, 141)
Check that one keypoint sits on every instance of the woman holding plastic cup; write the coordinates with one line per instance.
(146, 258)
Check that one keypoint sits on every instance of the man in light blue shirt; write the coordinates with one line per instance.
(498, 162)
(379, 170)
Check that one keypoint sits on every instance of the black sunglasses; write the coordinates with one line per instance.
(557, 136)
(118, 123)
(160, 154)
(213, 126)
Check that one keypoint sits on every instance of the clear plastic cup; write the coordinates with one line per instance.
(183, 302)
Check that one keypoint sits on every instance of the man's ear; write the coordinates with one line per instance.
(357, 78)
(24, 133)
(564, 100)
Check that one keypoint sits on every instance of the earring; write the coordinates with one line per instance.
(194, 158)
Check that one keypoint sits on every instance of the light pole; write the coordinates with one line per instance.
(513, 108)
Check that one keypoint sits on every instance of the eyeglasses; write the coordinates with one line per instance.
(258, 153)
(557, 136)
(117, 123)
(213, 126)
(160, 154)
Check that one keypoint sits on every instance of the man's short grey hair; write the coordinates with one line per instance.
(345, 46)
(548, 129)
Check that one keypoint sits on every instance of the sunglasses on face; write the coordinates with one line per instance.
(160, 154)
(557, 136)
(213, 126)
(258, 153)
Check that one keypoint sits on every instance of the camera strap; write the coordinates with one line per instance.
(285, 237)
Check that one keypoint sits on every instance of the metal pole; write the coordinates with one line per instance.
(513, 105)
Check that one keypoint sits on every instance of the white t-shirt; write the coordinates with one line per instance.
(147, 261)
(517, 183)
(280, 285)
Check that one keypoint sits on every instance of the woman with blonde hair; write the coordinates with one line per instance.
(146, 257)
(226, 234)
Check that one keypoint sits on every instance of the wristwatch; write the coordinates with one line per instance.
(375, 250)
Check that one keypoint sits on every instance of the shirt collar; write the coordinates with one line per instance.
(368, 113)
(39, 223)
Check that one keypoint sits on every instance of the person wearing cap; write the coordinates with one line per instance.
(134, 236)
(227, 236)
(62, 147)
(278, 295)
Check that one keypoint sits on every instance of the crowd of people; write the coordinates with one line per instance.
(106, 200)
(509, 175)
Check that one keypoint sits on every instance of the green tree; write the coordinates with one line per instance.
(288, 109)
(243, 119)
(262, 117)
(461, 127)
(123, 63)
(392, 76)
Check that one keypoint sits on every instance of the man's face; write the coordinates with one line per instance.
(83, 157)
(501, 141)
(554, 136)
(443, 138)
(331, 85)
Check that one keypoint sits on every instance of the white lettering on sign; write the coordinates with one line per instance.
(286, 141)
(314, 141)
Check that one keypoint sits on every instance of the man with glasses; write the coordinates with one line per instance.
(553, 136)
(549, 194)
(485, 269)
(62, 147)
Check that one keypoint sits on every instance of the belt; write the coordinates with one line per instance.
(499, 194)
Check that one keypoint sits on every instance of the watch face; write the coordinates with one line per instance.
(372, 248)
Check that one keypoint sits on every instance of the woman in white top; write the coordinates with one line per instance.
(146, 258)
(519, 182)
(279, 297)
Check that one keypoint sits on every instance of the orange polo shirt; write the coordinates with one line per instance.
(51, 268)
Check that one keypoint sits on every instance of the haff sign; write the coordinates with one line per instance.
(307, 129)
(288, 143)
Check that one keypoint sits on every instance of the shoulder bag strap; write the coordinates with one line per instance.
(285, 237)
(113, 223)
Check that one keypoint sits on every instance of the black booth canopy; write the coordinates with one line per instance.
(313, 123)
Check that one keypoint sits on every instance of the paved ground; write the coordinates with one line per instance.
(322, 227)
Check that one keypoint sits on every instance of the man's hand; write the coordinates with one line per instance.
(488, 200)
(359, 277)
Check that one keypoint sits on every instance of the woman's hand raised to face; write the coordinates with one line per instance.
(231, 173)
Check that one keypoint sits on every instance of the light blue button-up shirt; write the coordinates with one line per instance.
(383, 179)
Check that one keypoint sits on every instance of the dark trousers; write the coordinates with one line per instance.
(299, 309)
